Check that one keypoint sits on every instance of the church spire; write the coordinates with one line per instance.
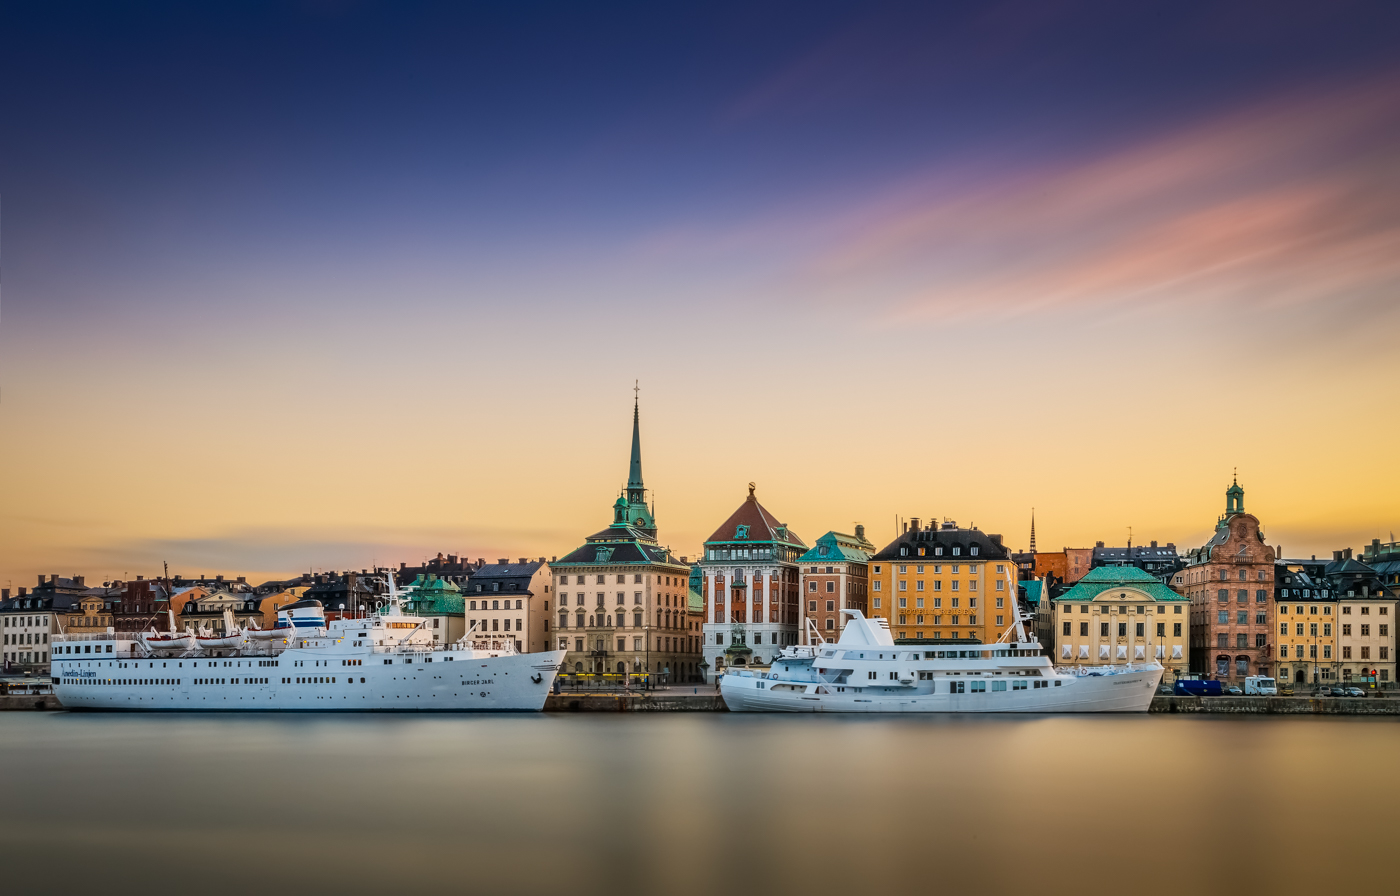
(1032, 530)
(635, 490)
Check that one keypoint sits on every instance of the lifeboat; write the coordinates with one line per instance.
(172, 640)
(270, 634)
(232, 641)
(166, 642)
(235, 638)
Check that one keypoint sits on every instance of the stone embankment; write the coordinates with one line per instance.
(645, 702)
(1334, 706)
(29, 701)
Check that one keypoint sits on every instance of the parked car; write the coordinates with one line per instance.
(1355, 692)
(1165, 689)
(1234, 691)
(1285, 690)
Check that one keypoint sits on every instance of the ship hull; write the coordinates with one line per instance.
(1121, 692)
(291, 683)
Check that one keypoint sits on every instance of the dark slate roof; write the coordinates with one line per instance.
(512, 577)
(594, 553)
(1349, 566)
(759, 526)
(947, 537)
(1136, 552)
(47, 601)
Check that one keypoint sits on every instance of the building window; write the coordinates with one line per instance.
(1222, 595)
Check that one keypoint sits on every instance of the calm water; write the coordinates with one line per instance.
(692, 803)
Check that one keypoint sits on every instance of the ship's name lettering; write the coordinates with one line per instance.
(481, 681)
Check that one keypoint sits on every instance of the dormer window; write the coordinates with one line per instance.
(957, 551)
(741, 532)
(904, 552)
(921, 551)
(938, 552)
(974, 550)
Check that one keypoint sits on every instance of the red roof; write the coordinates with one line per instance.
(762, 525)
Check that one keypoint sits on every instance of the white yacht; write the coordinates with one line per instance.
(866, 671)
(385, 662)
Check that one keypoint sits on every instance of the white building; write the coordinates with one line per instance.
(751, 584)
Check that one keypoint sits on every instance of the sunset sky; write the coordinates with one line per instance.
(334, 284)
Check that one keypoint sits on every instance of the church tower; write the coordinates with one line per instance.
(638, 515)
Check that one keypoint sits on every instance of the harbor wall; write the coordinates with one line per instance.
(29, 701)
(635, 703)
(1335, 706)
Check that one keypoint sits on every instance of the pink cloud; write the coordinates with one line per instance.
(1294, 201)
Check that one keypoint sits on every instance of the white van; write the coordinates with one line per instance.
(1258, 684)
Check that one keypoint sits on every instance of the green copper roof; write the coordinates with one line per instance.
(1106, 578)
(834, 547)
(1033, 587)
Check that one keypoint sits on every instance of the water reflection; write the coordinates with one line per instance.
(694, 803)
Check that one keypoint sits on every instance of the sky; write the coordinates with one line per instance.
(329, 285)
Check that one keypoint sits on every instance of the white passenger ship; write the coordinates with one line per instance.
(386, 662)
(865, 671)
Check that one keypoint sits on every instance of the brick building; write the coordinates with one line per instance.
(1230, 582)
(835, 575)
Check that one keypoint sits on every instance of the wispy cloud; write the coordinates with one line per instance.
(1290, 202)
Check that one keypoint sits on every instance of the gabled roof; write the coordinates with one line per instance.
(1107, 578)
(752, 523)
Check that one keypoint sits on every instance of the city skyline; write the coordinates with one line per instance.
(331, 286)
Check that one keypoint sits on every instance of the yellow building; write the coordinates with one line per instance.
(1307, 638)
(1117, 615)
(944, 583)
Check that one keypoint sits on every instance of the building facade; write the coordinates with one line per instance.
(624, 612)
(510, 600)
(1306, 615)
(27, 623)
(1230, 583)
(1366, 607)
(835, 575)
(752, 583)
(1118, 615)
(944, 582)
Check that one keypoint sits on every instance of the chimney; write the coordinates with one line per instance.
(1346, 553)
(4, 594)
(41, 578)
(140, 578)
(1154, 544)
(523, 560)
(1098, 544)
(860, 531)
(1336, 556)
(53, 579)
(906, 528)
(914, 524)
(78, 580)
(23, 592)
(243, 580)
(503, 560)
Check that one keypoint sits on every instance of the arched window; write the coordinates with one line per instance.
(1222, 666)
(1241, 666)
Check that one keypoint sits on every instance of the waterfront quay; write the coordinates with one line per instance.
(631, 615)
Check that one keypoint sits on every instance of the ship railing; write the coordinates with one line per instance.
(92, 636)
